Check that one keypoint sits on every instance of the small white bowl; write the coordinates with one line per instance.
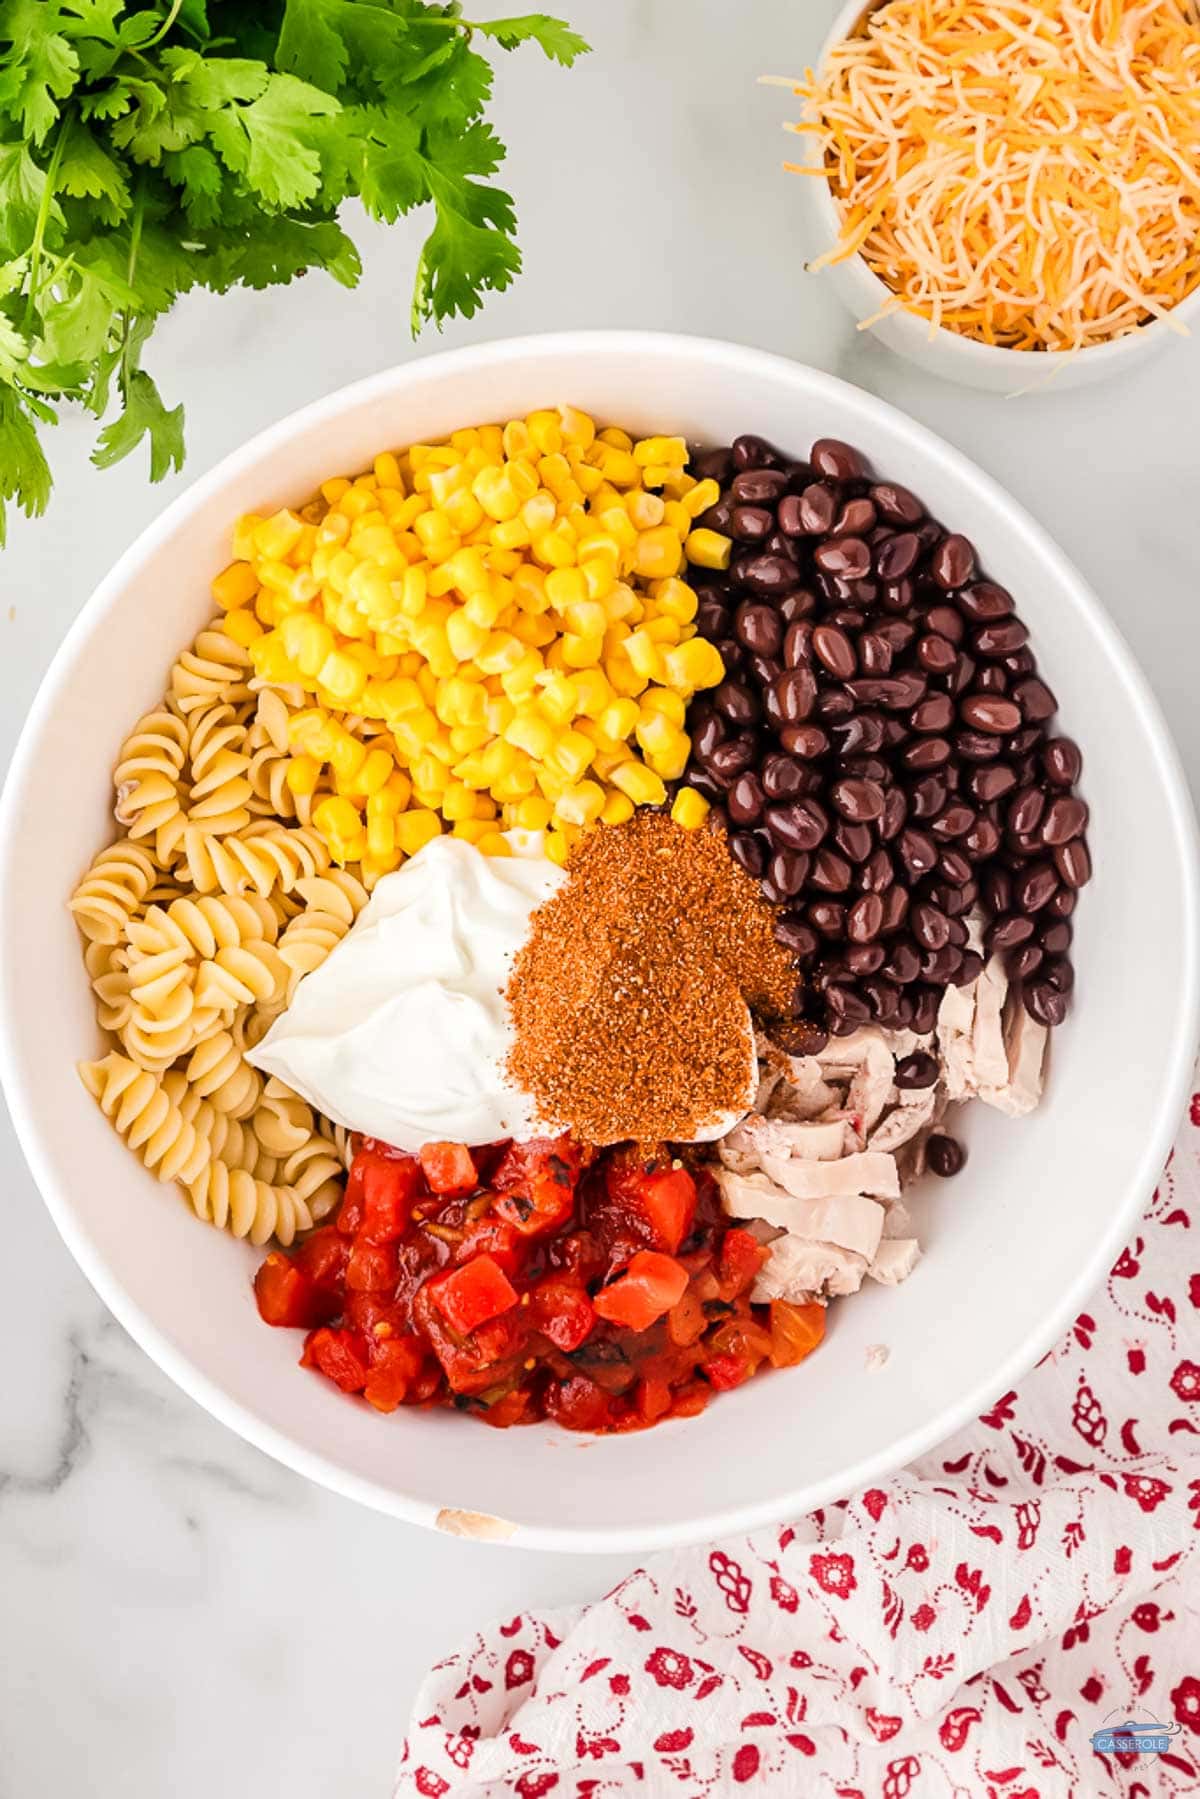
(1012, 1246)
(947, 353)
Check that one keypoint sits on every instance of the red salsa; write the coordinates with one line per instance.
(603, 1289)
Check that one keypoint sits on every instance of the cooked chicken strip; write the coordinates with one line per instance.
(894, 1260)
(850, 1221)
(797, 1271)
(864, 1173)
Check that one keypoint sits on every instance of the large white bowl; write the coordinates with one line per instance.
(950, 354)
(1012, 1246)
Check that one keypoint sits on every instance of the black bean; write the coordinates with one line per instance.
(767, 575)
(798, 604)
(1025, 961)
(795, 935)
(815, 509)
(734, 701)
(864, 958)
(758, 486)
(878, 870)
(781, 776)
(916, 1071)
(854, 840)
(830, 873)
(903, 965)
(1008, 931)
(835, 460)
(797, 643)
(896, 504)
(750, 524)
(931, 927)
(896, 556)
(1035, 699)
(750, 451)
(927, 797)
(1056, 938)
(759, 627)
(856, 519)
(1073, 862)
(945, 621)
(807, 741)
(801, 825)
(1062, 761)
(985, 601)
(712, 465)
(745, 848)
(1065, 818)
(745, 799)
(944, 1155)
(864, 921)
(828, 917)
(847, 557)
(1044, 1003)
(988, 784)
(953, 561)
(999, 639)
(1025, 810)
(833, 648)
(991, 713)
(730, 758)
(788, 870)
(1034, 885)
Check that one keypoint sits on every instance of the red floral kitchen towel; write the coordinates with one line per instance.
(963, 1629)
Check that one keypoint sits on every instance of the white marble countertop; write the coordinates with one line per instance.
(182, 1616)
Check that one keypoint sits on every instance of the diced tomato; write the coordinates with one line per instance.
(577, 1404)
(537, 1182)
(285, 1295)
(509, 1409)
(468, 1296)
(726, 1371)
(375, 1316)
(795, 1331)
(341, 1355)
(742, 1255)
(372, 1267)
(322, 1256)
(690, 1399)
(449, 1168)
(491, 1236)
(650, 1286)
(389, 1189)
(653, 1399)
(395, 1364)
(562, 1311)
(668, 1199)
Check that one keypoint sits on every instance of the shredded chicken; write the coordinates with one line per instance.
(819, 1165)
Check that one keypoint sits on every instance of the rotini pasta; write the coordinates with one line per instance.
(220, 789)
(332, 903)
(258, 860)
(110, 893)
(147, 779)
(143, 1113)
(214, 670)
(247, 1207)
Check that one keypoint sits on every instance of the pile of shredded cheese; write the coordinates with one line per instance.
(1026, 172)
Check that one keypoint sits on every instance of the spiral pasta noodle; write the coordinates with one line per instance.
(247, 1207)
(112, 890)
(147, 780)
(215, 669)
(219, 763)
(143, 1113)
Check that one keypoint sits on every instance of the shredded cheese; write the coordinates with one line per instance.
(1025, 172)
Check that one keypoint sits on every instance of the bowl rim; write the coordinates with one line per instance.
(875, 292)
(35, 1137)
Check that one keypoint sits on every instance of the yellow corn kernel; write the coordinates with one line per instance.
(617, 808)
(625, 679)
(516, 784)
(689, 808)
(675, 599)
(391, 798)
(643, 654)
(381, 837)
(662, 699)
(619, 720)
(692, 665)
(708, 549)
(670, 757)
(458, 801)
(587, 618)
(576, 427)
(662, 631)
(342, 677)
(374, 771)
(465, 739)
(242, 627)
(415, 828)
(558, 699)
(639, 783)
(337, 818)
(593, 691)
(521, 680)
(671, 450)
(302, 775)
(493, 843)
(556, 848)
(573, 753)
(616, 464)
(485, 606)
(307, 640)
(655, 733)
(470, 829)
(581, 652)
(565, 587)
(274, 537)
(532, 814)
(235, 586)
(464, 637)
(500, 652)
(581, 804)
(531, 732)
(398, 698)
(699, 498)
(659, 552)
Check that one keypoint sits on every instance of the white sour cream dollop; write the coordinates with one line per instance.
(403, 1031)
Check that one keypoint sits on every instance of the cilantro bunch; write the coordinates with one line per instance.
(146, 149)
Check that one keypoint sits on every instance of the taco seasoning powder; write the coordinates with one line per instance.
(628, 998)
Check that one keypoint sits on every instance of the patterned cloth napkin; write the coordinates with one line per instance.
(964, 1628)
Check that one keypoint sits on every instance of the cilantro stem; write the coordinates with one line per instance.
(43, 219)
(135, 243)
(160, 34)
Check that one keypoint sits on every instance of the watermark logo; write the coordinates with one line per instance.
(1133, 1737)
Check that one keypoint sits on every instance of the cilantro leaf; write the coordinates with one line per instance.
(556, 38)
(24, 471)
(148, 147)
(144, 415)
(39, 67)
(86, 171)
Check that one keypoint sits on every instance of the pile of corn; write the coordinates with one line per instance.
(485, 633)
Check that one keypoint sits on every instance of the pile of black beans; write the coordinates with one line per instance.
(880, 750)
